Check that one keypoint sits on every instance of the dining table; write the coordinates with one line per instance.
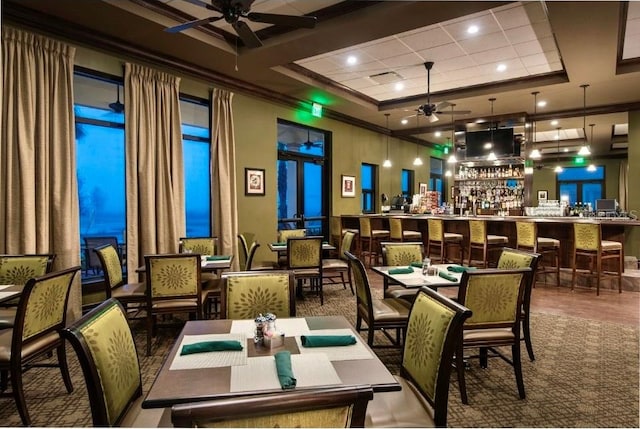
(9, 292)
(412, 277)
(253, 370)
(281, 248)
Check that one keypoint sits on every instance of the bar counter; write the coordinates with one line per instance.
(552, 227)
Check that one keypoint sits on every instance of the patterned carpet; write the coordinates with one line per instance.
(585, 375)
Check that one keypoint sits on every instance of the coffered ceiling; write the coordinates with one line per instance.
(366, 58)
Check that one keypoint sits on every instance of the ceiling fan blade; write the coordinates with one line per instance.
(191, 24)
(433, 118)
(443, 105)
(286, 20)
(453, 112)
(247, 35)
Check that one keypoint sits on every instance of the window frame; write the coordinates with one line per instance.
(368, 192)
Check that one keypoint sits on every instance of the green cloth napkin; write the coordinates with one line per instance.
(447, 276)
(327, 340)
(459, 269)
(210, 346)
(283, 366)
(217, 258)
(401, 270)
(416, 264)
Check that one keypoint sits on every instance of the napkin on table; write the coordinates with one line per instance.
(283, 366)
(217, 258)
(210, 346)
(459, 269)
(327, 340)
(416, 264)
(401, 270)
(447, 276)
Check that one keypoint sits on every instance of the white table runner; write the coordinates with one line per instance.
(355, 351)
(4, 286)
(291, 327)
(313, 369)
(211, 359)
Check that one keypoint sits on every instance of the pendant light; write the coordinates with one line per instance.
(452, 158)
(418, 161)
(387, 161)
(535, 153)
(591, 168)
(584, 150)
(558, 168)
(448, 172)
(492, 155)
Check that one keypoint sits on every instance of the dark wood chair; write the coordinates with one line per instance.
(588, 243)
(479, 240)
(333, 268)
(549, 248)
(396, 255)
(442, 241)
(114, 280)
(91, 258)
(304, 260)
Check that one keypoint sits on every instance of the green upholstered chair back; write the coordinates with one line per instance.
(17, 269)
(397, 254)
(249, 293)
(90, 243)
(172, 276)
(200, 245)
(433, 330)
(347, 242)
(436, 229)
(512, 258)
(111, 266)
(361, 281)
(587, 236)
(107, 353)
(304, 252)
(395, 228)
(285, 234)
(42, 307)
(332, 407)
(477, 231)
(335, 226)
(526, 234)
(494, 296)
(365, 227)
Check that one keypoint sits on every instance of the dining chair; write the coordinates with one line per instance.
(514, 258)
(201, 245)
(588, 243)
(494, 296)
(400, 254)
(304, 260)
(106, 350)
(442, 241)
(433, 333)
(527, 239)
(247, 254)
(173, 286)
(204, 246)
(40, 317)
(329, 407)
(91, 258)
(333, 268)
(246, 294)
(369, 240)
(115, 285)
(378, 314)
(283, 237)
(485, 243)
(398, 233)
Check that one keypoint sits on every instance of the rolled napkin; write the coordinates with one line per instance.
(327, 340)
(217, 258)
(459, 269)
(210, 346)
(416, 264)
(447, 276)
(401, 270)
(283, 366)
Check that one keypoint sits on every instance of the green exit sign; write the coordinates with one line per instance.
(316, 110)
(446, 150)
(578, 160)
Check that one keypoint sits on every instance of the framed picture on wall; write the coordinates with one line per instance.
(254, 181)
(422, 188)
(348, 186)
(542, 195)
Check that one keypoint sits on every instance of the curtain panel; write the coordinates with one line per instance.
(38, 188)
(154, 164)
(225, 213)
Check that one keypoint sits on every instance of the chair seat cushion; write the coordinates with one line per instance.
(481, 336)
(610, 245)
(353, 230)
(495, 239)
(379, 232)
(129, 290)
(452, 236)
(306, 272)
(28, 349)
(404, 408)
(334, 264)
(174, 303)
(411, 234)
(390, 310)
(548, 242)
(7, 317)
(399, 292)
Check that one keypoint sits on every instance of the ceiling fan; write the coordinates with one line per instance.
(232, 10)
(117, 106)
(429, 110)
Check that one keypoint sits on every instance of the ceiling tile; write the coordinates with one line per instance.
(402, 61)
(485, 22)
(443, 52)
(387, 48)
(512, 17)
(427, 38)
(484, 43)
(495, 55)
(456, 63)
(520, 34)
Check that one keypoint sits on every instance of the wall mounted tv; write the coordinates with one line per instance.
(478, 143)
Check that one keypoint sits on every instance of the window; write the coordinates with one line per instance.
(578, 185)
(407, 184)
(435, 177)
(368, 178)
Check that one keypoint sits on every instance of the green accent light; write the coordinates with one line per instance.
(528, 163)
(446, 150)
(578, 160)
(316, 110)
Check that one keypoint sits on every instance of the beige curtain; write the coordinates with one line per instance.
(38, 189)
(225, 213)
(623, 185)
(154, 164)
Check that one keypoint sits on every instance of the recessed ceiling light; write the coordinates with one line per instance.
(501, 67)
(566, 149)
(404, 121)
(438, 133)
(554, 122)
(473, 29)
(487, 145)
(399, 86)
(542, 103)
(351, 60)
(479, 121)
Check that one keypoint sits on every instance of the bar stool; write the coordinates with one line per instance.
(337, 231)
(369, 239)
(399, 234)
(587, 241)
(527, 239)
(438, 239)
(480, 240)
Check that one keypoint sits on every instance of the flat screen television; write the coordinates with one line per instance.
(606, 205)
(479, 144)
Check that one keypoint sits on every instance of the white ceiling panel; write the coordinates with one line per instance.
(426, 38)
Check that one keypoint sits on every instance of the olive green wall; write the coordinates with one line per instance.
(632, 235)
